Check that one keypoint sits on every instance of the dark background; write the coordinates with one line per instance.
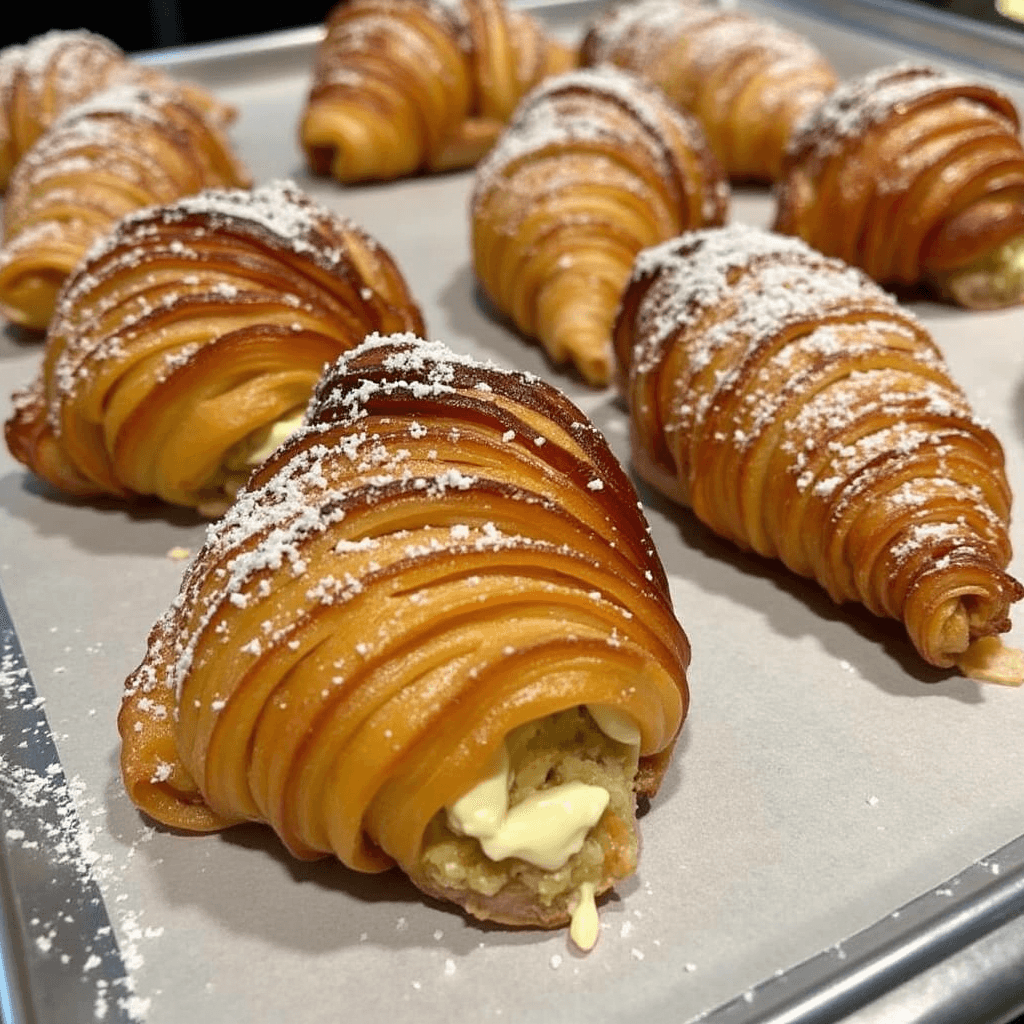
(981, 10)
(152, 24)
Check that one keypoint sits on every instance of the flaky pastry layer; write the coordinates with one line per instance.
(191, 332)
(748, 80)
(594, 166)
(916, 175)
(42, 78)
(803, 414)
(444, 553)
(406, 86)
(118, 151)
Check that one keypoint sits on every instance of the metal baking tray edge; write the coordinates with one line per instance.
(988, 47)
(76, 971)
(954, 954)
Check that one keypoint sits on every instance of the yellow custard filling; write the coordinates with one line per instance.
(242, 458)
(993, 281)
(552, 820)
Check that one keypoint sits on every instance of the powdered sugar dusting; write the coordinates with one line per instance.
(636, 34)
(47, 834)
(558, 113)
(860, 103)
(801, 379)
(337, 466)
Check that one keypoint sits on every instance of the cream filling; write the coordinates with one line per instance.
(585, 925)
(989, 660)
(615, 724)
(242, 458)
(545, 829)
(260, 444)
(995, 279)
(548, 826)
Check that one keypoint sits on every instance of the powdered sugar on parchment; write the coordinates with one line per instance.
(48, 816)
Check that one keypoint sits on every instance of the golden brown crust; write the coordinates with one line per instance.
(746, 79)
(594, 166)
(403, 86)
(802, 414)
(447, 551)
(42, 78)
(193, 327)
(911, 173)
(122, 149)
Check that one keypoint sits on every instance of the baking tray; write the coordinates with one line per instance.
(839, 834)
(965, 35)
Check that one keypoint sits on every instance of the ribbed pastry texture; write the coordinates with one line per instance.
(403, 86)
(917, 176)
(189, 333)
(40, 79)
(445, 552)
(116, 152)
(804, 415)
(594, 167)
(745, 78)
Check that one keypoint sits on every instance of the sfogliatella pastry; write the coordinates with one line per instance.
(802, 414)
(432, 631)
(40, 79)
(118, 151)
(406, 86)
(917, 176)
(187, 344)
(594, 167)
(746, 79)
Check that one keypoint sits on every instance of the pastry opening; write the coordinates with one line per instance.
(550, 826)
(321, 158)
(30, 297)
(244, 456)
(979, 654)
(992, 281)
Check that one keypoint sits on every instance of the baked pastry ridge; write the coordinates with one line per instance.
(407, 86)
(432, 625)
(594, 166)
(915, 174)
(803, 414)
(187, 343)
(117, 151)
(747, 79)
(43, 77)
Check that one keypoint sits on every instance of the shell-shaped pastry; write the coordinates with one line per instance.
(442, 587)
(594, 167)
(403, 86)
(40, 79)
(802, 414)
(189, 340)
(747, 79)
(118, 151)
(915, 175)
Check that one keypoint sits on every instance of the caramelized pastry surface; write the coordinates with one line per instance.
(917, 176)
(445, 554)
(745, 78)
(594, 166)
(115, 152)
(802, 414)
(42, 78)
(190, 335)
(405, 86)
